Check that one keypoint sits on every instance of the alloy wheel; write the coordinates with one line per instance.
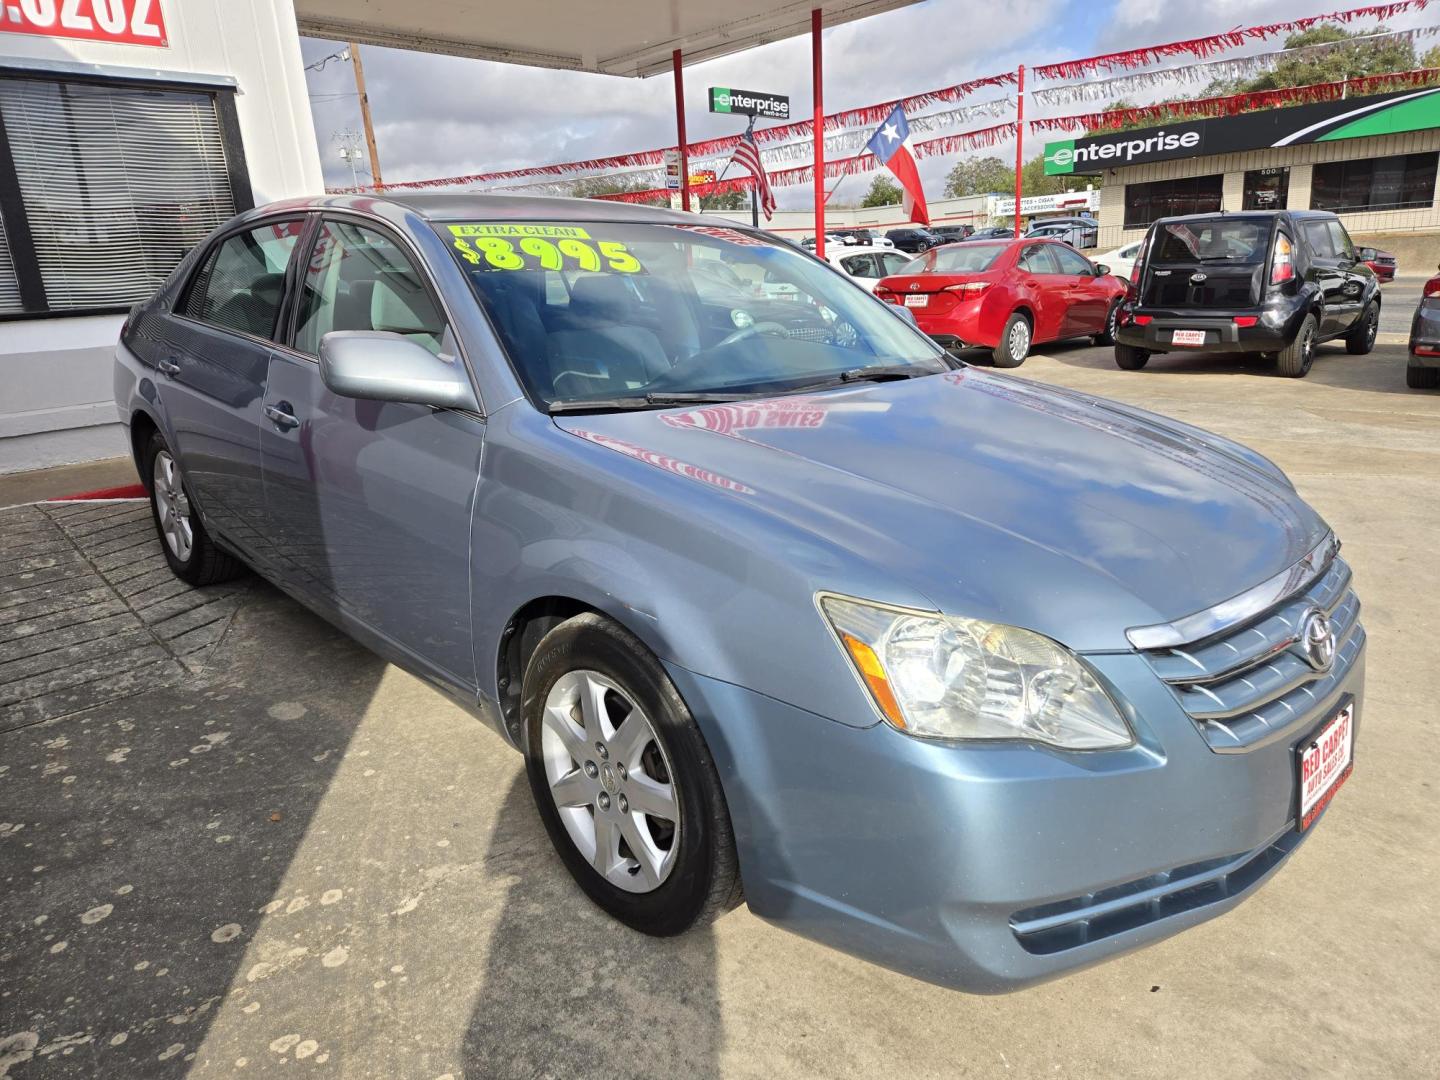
(172, 506)
(611, 781)
(1372, 326)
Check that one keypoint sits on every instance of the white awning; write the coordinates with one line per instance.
(614, 37)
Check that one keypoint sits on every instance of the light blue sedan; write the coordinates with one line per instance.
(978, 679)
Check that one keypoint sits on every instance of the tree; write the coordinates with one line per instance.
(589, 187)
(979, 176)
(1347, 62)
(726, 200)
(883, 192)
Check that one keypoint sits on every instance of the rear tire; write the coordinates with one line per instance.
(1361, 337)
(591, 769)
(192, 555)
(1014, 345)
(1421, 378)
(1295, 359)
(1130, 358)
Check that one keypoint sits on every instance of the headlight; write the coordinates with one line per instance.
(943, 677)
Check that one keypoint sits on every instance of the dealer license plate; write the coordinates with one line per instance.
(1323, 762)
(1187, 337)
(917, 300)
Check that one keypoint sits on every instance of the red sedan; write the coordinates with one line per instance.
(1382, 262)
(1006, 295)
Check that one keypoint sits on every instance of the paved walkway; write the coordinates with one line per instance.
(90, 612)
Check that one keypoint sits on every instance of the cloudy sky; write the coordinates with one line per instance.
(443, 116)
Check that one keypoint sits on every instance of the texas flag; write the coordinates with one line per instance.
(891, 146)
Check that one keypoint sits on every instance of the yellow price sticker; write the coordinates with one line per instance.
(542, 247)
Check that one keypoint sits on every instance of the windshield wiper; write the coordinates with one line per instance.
(657, 399)
(888, 373)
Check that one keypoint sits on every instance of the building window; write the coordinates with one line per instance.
(1403, 182)
(104, 186)
(1267, 189)
(1147, 203)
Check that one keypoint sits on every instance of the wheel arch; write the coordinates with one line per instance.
(142, 426)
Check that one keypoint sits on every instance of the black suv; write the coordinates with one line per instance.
(1275, 283)
(914, 240)
(953, 233)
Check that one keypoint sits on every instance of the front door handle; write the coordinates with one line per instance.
(281, 416)
(168, 366)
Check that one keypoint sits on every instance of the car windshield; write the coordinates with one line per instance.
(621, 315)
(1232, 240)
(965, 258)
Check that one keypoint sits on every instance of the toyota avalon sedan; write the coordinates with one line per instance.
(978, 679)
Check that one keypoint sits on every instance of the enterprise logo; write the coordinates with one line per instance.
(1067, 155)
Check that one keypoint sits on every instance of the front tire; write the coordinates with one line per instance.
(624, 782)
(1295, 359)
(1014, 345)
(1360, 339)
(192, 555)
(1129, 358)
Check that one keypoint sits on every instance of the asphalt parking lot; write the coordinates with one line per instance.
(234, 842)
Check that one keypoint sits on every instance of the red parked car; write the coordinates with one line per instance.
(1006, 295)
(1382, 262)
(1423, 370)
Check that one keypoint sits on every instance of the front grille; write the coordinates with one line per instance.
(1250, 683)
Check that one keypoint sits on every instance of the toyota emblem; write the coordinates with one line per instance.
(1317, 638)
(914, 285)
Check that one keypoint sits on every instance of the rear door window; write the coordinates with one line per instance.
(1319, 239)
(240, 286)
(1340, 239)
(861, 266)
(1037, 259)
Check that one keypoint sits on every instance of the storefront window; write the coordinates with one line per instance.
(107, 185)
(1146, 203)
(1403, 182)
(1267, 189)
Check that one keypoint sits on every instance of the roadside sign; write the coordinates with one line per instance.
(724, 99)
(704, 176)
(672, 169)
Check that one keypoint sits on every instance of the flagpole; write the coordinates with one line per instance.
(755, 187)
(1019, 143)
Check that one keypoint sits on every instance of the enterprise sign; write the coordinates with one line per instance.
(1322, 121)
(749, 103)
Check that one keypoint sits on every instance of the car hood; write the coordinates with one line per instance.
(995, 497)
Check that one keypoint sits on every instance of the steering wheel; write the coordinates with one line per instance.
(774, 329)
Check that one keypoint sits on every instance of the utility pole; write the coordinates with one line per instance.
(365, 114)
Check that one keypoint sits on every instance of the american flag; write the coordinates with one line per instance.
(747, 156)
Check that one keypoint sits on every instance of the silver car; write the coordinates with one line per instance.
(978, 679)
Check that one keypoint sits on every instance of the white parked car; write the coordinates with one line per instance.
(1122, 260)
(867, 265)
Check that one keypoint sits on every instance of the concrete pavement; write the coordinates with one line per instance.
(282, 857)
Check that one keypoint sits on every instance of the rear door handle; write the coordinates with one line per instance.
(281, 416)
(168, 366)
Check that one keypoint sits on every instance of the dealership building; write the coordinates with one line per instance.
(1372, 160)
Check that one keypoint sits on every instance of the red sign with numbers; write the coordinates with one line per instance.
(127, 22)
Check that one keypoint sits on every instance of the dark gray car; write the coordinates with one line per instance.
(981, 680)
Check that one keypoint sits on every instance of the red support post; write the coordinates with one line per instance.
(818, 80)
(1019, 142)
(680, 131)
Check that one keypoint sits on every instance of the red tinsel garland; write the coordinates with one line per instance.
(1216, 43)
(851, 166)
(1232, 104)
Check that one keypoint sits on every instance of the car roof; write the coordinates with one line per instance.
(469, 205)
(864, 249)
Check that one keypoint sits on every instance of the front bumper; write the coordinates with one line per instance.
(990, 868)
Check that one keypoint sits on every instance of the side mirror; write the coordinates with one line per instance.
(1101, 269)
(382, 366)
